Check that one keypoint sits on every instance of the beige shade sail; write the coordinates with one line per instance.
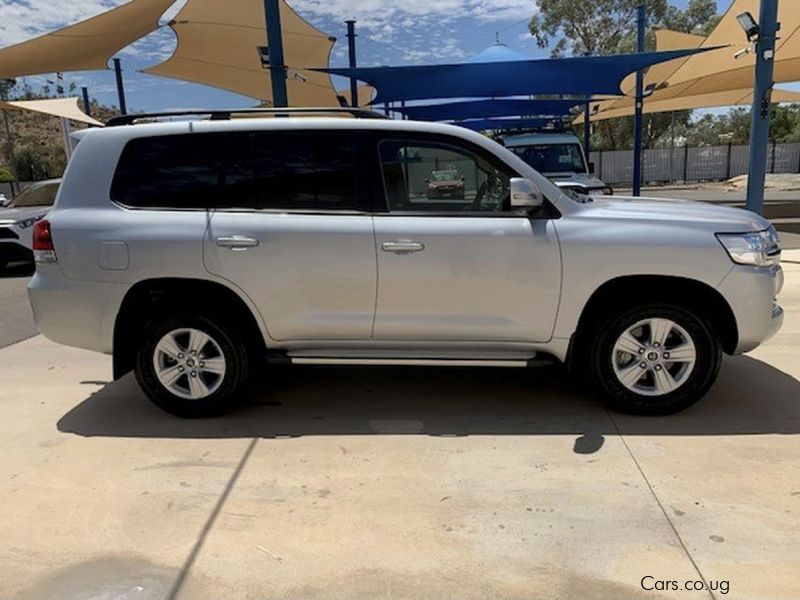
(66, 108)
(85, 46)
(218, 46)
(728, 98)
(717, 70)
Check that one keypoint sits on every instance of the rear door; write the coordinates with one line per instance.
(291, 232)
(459, 267)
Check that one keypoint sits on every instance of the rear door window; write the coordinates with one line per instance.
(305, 171)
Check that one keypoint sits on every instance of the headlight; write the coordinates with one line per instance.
(760, 249)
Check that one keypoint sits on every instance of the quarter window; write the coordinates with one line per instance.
(173, 171)
(440, 178)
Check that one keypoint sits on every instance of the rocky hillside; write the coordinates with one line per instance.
(38, 146)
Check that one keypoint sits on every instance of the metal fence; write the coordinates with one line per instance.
(707, 163)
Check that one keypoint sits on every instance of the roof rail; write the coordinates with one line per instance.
(217, 114)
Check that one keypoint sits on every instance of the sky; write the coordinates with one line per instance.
(389, 33)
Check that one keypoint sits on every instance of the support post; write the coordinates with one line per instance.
(87, 107)
(637, 120)
(728, 162)
(120, 87)
(66, 129)
(760, 112)
(277, 68)
(351, 56)
(587, 130)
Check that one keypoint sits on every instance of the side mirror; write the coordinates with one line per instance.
(591, 168)
(525, 194)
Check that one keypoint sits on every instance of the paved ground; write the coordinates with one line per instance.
(16, 321)
(398, 483)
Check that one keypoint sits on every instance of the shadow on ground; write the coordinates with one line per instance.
(751, 397)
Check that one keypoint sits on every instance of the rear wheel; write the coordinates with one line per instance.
(191, 366)
(656, 359)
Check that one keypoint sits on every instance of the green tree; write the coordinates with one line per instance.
(597, 27)
(609, 27)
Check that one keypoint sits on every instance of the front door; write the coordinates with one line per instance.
(289, 231)
(455, 264)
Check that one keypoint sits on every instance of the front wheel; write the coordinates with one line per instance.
(656, 359)
(191, 366)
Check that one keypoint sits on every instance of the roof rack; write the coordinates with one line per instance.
(224, 114)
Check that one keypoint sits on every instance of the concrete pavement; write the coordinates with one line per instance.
(16, 320)
(399, 483)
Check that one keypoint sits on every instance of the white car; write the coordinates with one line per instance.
(18, 218)
(559, 157)
(3, 200)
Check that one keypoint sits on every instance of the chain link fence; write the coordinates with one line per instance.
(684, 163)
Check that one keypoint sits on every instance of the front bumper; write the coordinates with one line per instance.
(751, 293)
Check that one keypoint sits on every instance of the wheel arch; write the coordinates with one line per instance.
(151, 298)
(690, 294)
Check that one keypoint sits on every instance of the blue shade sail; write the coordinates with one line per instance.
(580, 76)
(530, 123)
(476, 109)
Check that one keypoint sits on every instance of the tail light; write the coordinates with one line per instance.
(43, 249)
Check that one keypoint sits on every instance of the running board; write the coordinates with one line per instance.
(416, 362)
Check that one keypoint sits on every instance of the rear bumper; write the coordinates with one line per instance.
(75, 313)
(752, 295)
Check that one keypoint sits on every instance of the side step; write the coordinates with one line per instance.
(417, 362)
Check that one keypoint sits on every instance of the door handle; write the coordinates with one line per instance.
(402, 247)
(237, 242)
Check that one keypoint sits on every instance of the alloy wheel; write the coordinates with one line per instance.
(189, 363)
(654, 357)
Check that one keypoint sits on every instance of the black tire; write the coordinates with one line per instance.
(708, 359)
(224, 397)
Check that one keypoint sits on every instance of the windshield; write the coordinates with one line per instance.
(444, 175)
(552, 158)
(43, 194)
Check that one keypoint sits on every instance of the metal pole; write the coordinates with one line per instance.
(87, 107)
(672, 148)
(759, 113)
(587, 131)
(277, 68)
(120, 87)
(637, 120)
(66, 129)
(351, 54)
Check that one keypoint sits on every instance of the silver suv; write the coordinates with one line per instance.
(193, 251)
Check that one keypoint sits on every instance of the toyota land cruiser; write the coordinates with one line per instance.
(193, 250)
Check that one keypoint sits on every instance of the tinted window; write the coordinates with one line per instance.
(305, 170)
(423, 176)
(176, 171)
(552, 158)
(39, 194)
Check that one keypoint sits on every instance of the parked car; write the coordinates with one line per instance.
(3, 200)
(193, 251)
(445, 184)
(560, 157)
(17, 220)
